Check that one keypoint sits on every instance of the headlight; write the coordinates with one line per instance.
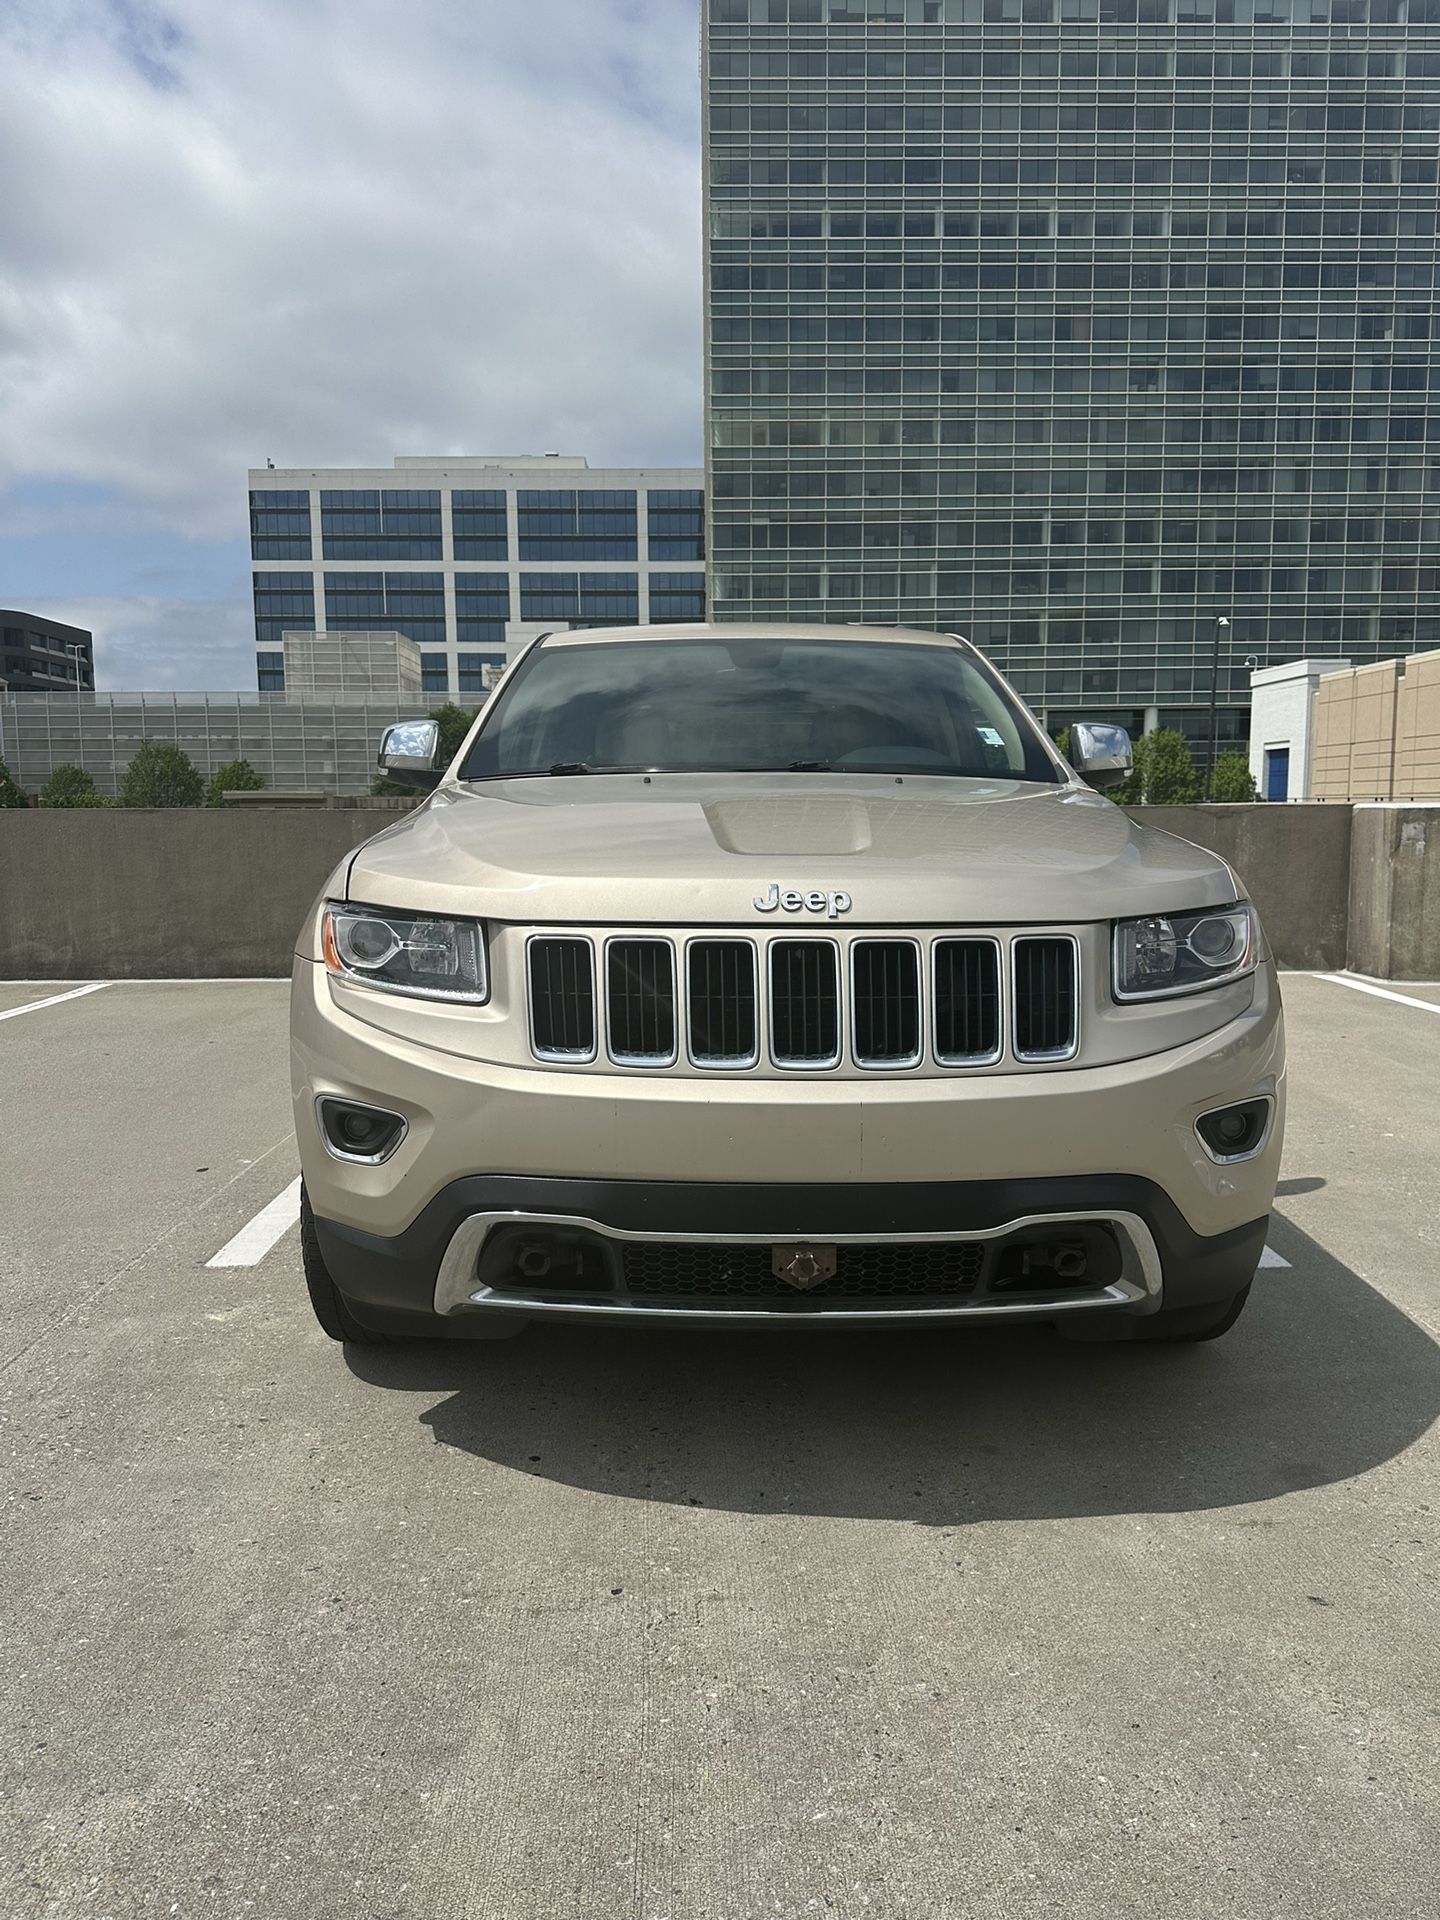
(1183, 952)
(415, 953)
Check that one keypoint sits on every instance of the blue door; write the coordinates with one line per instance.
(1277, 773)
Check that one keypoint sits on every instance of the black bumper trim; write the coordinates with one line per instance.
(390, 1283)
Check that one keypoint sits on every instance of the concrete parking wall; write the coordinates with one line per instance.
(1295, 862)
(102, 893)
(141, 894)
(1395, 892)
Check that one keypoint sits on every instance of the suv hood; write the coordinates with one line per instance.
(698, 849)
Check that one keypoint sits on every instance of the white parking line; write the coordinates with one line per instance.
(1269, 1258)
(52, 1000)
(1381, 993)
(255, 1239)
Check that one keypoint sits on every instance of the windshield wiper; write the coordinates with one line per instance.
(808, 766)
(571, 766)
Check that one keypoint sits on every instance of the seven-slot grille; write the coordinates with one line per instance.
(901, 998)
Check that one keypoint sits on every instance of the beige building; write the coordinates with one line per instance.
(1324, 730)
(1377, 732)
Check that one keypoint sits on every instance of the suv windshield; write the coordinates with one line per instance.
(750, 706)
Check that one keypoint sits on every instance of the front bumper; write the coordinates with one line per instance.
(426, 1278)
(770, 1161)
(468, 1117)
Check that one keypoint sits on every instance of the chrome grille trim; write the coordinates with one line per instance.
(812, 1002)
(983, 944)
(744, 994)
(887, 1005)
(636, 1001)
(564, 977)
(1061, 982)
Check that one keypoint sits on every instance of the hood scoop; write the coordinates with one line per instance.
(820, 823)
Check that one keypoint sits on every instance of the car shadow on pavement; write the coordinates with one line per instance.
(1322, 1379)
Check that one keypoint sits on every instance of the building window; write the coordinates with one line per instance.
(280, 525)
(675, 523)
(409, 603)
(270, 672)
(284, 603)
(434, 673)
(549, 596)
(482, 606)
(380, 524)
(594, 599)
(677, 596)
(477, 521)
(563, 525)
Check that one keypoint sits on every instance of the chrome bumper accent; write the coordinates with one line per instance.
(457, 1291)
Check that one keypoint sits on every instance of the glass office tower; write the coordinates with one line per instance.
(1076, 325)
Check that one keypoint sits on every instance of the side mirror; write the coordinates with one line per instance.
(1099, 754)
(410, 753)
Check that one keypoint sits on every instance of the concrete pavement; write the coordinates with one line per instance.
(660, 1627)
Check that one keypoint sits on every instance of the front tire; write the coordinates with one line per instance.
(329, 1305)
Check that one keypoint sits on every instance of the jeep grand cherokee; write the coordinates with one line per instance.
(781, 975)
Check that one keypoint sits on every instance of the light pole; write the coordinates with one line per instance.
(1222, 626)
(76, 648)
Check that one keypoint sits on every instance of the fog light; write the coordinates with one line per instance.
(1234, 1133)
(353, 1132)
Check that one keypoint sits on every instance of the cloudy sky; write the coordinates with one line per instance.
(320, 231)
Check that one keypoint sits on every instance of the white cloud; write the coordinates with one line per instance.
(170, 646)
(334, 230)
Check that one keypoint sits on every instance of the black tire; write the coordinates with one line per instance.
(1175, 1326)
(330, 1310)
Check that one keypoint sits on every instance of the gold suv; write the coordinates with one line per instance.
(786, 976)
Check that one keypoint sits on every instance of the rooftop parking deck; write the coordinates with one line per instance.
(697, 1627)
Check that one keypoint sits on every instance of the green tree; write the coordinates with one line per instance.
(454, 723)
(236, 776)
(10, 794)
(1164, 774)
(70, 786)
(1232, 779)
(161, 775)
(1062, 742)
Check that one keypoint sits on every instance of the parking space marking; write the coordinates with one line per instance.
(53, 1000)
(255, 1239)
(1381, 993)
(1269, 1258)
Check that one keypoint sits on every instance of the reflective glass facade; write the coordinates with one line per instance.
(1074, 325)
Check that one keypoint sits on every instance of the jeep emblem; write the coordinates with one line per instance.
(830, 904)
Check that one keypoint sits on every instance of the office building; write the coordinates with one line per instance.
(44, 655)
(471, 557)
(311, 746)
(1076, 325)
